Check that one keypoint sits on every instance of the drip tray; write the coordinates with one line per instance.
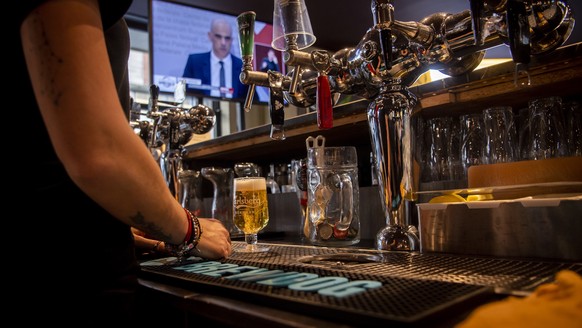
(340, 260)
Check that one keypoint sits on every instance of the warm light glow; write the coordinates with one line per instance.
(434, 75)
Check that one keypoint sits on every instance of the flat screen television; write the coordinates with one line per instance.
(178, 30)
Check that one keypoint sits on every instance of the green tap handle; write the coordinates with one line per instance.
(246, 30)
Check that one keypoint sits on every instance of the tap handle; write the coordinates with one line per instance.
(154, 94)
(477, 10)
(323, 103)
(277, 113)
(276, 105)
(246, 31)
(518, 31)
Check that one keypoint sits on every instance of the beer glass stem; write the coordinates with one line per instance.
(251, 240)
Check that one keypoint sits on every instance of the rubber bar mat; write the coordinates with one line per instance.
(357, 286)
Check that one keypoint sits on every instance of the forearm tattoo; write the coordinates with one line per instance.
(138, 221)
(49, 62)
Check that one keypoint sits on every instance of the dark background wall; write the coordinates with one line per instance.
(341, 23)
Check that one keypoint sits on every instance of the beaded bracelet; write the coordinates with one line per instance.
(192, 238)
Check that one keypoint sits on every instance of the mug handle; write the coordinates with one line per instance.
(346, 202)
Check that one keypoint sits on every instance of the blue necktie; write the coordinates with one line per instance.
(222, 79)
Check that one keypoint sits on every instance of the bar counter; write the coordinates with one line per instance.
(412, 289)
(403, 289)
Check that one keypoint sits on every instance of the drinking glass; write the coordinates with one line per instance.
(499, 135)
(251, 210)
(546, 138)
(440, 130)
(221, 178)
(472, 140)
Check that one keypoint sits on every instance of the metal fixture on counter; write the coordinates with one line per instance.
(169, 127)
(389, 58)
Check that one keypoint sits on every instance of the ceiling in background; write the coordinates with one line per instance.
(342, 23)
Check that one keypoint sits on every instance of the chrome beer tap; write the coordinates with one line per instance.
(170, 127)
(246, 30)
(274, 80)
(392, 55)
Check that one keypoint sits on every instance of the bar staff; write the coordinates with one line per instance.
(92, 179)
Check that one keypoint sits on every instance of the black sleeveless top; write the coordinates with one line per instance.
(67, 243)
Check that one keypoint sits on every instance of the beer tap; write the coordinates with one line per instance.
(390, 57)
(292, 32)
(518, 32)
(273, 80)
(276, 105)
(322, 64)
(246, 30)
(155, 116)
(172, 126)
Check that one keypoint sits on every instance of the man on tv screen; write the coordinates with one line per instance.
(217, 68)
(270, 63)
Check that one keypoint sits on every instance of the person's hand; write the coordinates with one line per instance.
(215, 240)
(147, 245)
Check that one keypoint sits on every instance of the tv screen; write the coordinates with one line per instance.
(201, 47)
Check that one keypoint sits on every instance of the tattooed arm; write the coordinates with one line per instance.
(66, 55)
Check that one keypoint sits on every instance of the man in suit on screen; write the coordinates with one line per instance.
(217, 68)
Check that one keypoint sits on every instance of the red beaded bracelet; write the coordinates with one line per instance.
(189, 232)
(193, 235)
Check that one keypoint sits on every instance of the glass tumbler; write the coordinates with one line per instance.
(546, 139)
(472, 140)
(499, 135)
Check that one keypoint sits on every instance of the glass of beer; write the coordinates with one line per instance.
(251, 210)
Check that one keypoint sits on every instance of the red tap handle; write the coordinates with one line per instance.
(323, 103)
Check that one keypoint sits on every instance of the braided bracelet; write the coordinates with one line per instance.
(193, 235)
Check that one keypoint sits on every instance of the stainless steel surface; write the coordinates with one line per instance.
(542, 228)
(172, 126)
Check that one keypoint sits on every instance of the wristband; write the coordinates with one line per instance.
(193, 235)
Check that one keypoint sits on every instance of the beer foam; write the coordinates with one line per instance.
(250, 184)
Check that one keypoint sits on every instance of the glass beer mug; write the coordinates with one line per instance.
(332, 196)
